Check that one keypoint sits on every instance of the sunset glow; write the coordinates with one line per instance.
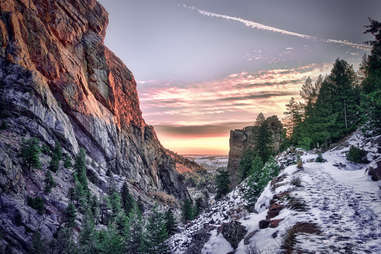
(203, 69)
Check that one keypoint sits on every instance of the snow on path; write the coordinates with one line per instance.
(340, 199)
(345, 214)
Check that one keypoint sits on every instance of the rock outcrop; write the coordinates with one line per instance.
(244, 139)
(59, 83)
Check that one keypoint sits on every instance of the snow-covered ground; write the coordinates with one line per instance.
(336, 197)
(210, 162)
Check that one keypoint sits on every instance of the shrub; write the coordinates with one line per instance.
(357, 155)
(299, 162)
(37, 203)
(299, 228)
(320, 158)
(296, 182)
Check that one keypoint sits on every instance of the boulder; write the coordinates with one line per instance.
(233, 232)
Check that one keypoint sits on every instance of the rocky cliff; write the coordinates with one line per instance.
(245, 139)
(59, 83)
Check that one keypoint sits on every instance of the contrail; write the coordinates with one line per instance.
(260, 26)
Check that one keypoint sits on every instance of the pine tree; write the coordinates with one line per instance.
(259, 179)
(222, 183)
(260, 119)
(71, 215)
(56, 157)
(245, 163)
(293, 114)
(371, 85)
(157, 233)
(80, 167)
(67, 162)
(109, 241)
(115, 205)
(252, 192)
(87, 237)
(63, 242)
(372, 82)
(38, 245)
(263, 148)
(30, 153)
(187, 210)
(49, 182)
(128, 201)
(256, 166)
(171, 224)
(134, 242)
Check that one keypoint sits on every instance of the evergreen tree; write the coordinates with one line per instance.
(94, 208)
(171, 224)
(128, 201)
(260, 119)
(115, 205)
(67, 162)
(63, 242)
(80, 167)
(222, 183)
(256, 166)
(30, 153)
(38, 245)
(87, 238)
(157, 233)
(263, 145)
(187, 210)
(56, 157)
(109, 241)
(259, 179)
(49, 182)
(294, 113)
(71, 215)
(134, 242)
(245, 163)
(372, 82)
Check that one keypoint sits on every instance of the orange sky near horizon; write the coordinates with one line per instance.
(197, 119)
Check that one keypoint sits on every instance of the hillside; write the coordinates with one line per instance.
(328, 207)
(72, 130)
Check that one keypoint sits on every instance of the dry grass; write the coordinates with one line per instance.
(296, 182)
(299, 228)
(276, 182)
(296, 204)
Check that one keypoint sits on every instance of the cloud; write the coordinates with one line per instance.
(207, 130)
(238, 97)
(263, 95)
(259, 26)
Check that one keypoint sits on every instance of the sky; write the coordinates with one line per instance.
(205, 67)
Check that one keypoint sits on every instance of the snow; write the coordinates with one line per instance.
(216, 244)
(340, 198)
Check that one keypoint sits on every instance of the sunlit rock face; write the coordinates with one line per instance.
(59, 82)
(244, 139)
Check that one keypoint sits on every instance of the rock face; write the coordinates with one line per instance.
(58, 82)
(242, 140)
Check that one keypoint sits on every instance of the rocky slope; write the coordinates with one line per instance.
(242, 140)
(59, 83)
(327, 207)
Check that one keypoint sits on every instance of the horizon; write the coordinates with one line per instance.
(203, 69)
